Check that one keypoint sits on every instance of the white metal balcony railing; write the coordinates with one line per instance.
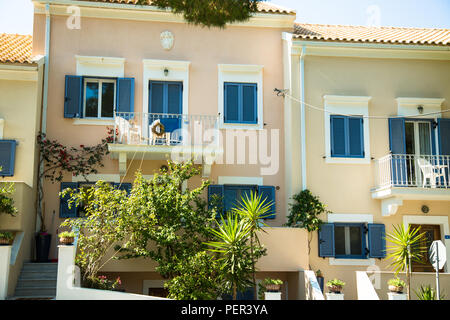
(138, 128)
(408, 170)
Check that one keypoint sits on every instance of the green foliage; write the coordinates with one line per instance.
(210, 13)
(199, 279)
(404, 250)
(66, 234)
(319, 273)
(102, 226)
(166, 223)
(6, 201)
(335, 282)
(304, 212)
(396, 282)
(232, 236)
(101, 283)
(428, 293)
(6, 235)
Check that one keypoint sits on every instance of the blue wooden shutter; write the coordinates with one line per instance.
(326, 240)
(64, 210)
(125, 95)
(268, 195)
(444, 136)
(338, 136)
(397, 145)
(356, 137)
(248, 294)
(218, 191)
(124, 186)
(377, 240)
(73, 98)
(7, 157)
(249, 103)
(231, 103)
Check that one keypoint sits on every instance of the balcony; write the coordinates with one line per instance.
(411, 177)
(155, 136)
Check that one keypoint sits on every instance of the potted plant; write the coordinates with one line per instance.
(335, 285)
(66, 237)
(272, 285)
(6, 238)
(43, 241)
(320, 279)
(396, 285)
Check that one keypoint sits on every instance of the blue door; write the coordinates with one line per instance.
(165, 104)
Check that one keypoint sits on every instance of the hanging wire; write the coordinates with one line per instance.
(284, 93)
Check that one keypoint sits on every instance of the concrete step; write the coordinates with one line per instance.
(35, 283)
(41, 267)
(31, 298)
(38, 275)
(35, 292)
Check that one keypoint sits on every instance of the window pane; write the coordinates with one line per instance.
(156, 98)
(355, 128)
(231, 103)
(91, 99)
(339, 240)
(355, 240)
(107, 99)
(338, 135)
(249, 104)
(174, 99)
(425, 138)
(409, 136)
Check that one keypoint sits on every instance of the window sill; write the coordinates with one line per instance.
(337, 160)
(93, 122)
(241, 126)
(351, 262)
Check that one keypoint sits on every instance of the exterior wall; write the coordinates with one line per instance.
(20, 107)
(345, 188)
(138, 40)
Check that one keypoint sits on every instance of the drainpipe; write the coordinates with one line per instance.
(302, 115)
(44, 108)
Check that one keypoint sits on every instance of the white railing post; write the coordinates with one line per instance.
(66, 272)
(364, 286)
(5, 261)
(313, 286)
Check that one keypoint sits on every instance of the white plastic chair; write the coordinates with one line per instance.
(123, 128)
(431, 172)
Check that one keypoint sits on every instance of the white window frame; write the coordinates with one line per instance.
(100, 82)
(357, 106)
(350, 218)
(240, 73)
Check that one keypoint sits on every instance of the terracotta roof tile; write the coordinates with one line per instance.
(263, 6)
(392, 35)
(16, 48)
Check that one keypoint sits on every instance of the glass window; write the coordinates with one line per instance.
(349, 240)
(99, 98)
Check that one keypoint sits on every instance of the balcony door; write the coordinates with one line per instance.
(165, 104)
(418, 143)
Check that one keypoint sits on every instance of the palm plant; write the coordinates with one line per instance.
(428, 293)
(405, 249)
(232, 247)
(253, 210)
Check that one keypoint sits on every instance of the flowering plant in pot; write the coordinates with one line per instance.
(335, 285)
(66, 237)
(6, 238)
(396, 285)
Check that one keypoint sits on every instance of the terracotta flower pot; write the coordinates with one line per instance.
(5, 242)
(397, 289)
(273, 287)
(335, 289)
(66, 240)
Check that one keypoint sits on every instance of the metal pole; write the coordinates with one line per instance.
(437, 272)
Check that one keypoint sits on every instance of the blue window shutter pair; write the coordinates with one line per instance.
(73, 98)
(64, 210)
(347, 136)
(226, 197)
(240, 103)
(444, 136)
(7, 157)
(376, 240)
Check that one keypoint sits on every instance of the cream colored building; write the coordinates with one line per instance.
(21, 80)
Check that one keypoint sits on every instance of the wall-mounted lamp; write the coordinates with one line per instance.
(166, 72)
(420, 108)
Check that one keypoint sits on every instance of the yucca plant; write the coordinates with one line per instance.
(232, 237)
(253, 210)
(427, 293)
(405, 249)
